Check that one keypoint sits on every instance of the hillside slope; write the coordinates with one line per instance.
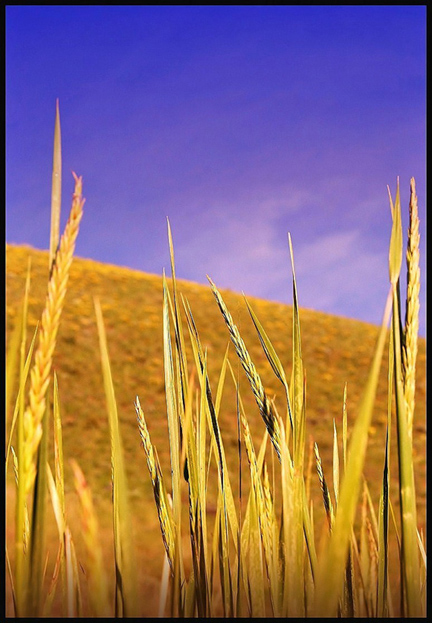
(335, 350)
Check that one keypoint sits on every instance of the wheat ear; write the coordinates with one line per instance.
(40, 373)
(324, 489)
(264, 404)
(409, 351)
(158, 488)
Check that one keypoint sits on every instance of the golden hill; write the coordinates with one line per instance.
(335, 351)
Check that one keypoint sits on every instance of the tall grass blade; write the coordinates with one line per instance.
(298, 377)
(126, 590)
(410, 555)
(13, 350)
(18, 347)
(332, 565)
(38, 531)
(212, 417)
(175, 450)
(396, 240)
(21, 515)
(383, 542)
(55, 190)
(95, 571)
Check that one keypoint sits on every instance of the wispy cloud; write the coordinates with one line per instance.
(242, 246)
(339, 273)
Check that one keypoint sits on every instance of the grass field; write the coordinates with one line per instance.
(336, 351)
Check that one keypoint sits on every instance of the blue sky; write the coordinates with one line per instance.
(240, 124)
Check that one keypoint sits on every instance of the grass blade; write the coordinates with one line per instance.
(95, 571)
(126, 591)
(37, 540)
(332, 566)
(55, 190)
(410, 561)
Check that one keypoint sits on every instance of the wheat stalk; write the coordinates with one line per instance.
(40, 373)
(264, 404)
(409, 350)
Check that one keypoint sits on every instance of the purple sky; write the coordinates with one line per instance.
(240, 124)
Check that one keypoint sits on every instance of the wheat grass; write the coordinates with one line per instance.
(409, 350)
(160, 495)
(261, 398)
(40, 373)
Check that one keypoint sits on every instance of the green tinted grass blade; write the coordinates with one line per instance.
(344, 428)
(410, 555)
(298, 376)
(335, 463)
(410, 564)
(172, 410)
(126, 590)
(396, 240)
(55, 190)
(179, 338)
(332, 566)
(383, 542)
